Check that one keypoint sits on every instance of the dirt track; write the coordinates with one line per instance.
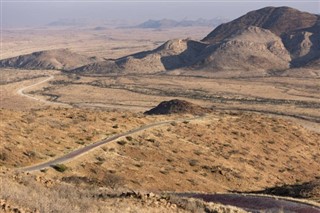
(22, 93)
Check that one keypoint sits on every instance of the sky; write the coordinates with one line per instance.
(31, 13)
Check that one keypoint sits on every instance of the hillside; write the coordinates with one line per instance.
(219, 152)
(252, 48)
(171, 55)
(278, 20)
(58, 59)
(304, 46)
(299, 31)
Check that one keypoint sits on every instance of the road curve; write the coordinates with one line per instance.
(84, 150)
(22, 93)
(256, 203)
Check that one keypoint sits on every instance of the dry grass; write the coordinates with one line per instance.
(242, 152)
(37, 135)
(29, 193)
(227, 152)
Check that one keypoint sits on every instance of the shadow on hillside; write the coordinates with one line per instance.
(305, 190)
(184, 59)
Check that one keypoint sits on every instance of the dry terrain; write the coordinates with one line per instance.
(262, 133)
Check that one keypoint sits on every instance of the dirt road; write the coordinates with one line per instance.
(22, 93)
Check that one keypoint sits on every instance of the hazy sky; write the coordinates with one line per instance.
(38, 12)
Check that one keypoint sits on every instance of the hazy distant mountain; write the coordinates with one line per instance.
(169, 23)
(67, 23)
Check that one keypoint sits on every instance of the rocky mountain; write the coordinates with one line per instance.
(279, 20)
(59, 59)
(252, 48)
(299, 31)
(268, 39)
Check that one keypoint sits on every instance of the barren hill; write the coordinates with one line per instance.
(171, 55)
(299, 31)
(60, 59)
(176, 106)
(252, 48)
(278, 20)
(100, 67)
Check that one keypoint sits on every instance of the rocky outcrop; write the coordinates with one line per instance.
(177, 106)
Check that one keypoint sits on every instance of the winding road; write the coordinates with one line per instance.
(84, 150)
(23, 94)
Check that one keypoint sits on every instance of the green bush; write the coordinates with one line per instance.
(60, 167)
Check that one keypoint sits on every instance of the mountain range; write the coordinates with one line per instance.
(268, 39)
(169, 23)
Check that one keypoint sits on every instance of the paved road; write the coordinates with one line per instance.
(84, 150)
(256, 203)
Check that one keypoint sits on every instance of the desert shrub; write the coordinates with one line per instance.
(29, 153)
(129, 138)
(173, 123)
(112, 181)
(193, 162)
(3, 156)
(197, 152)
(99, 158)
(80, 142)
(122, 142)
(164, 171)
(170, 160)
(60, 167)
(151, 140)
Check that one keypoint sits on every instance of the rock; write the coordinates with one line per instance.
(177, 106)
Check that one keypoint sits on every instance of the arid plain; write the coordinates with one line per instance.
(263, 130)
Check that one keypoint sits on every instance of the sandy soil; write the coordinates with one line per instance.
(229, 150)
